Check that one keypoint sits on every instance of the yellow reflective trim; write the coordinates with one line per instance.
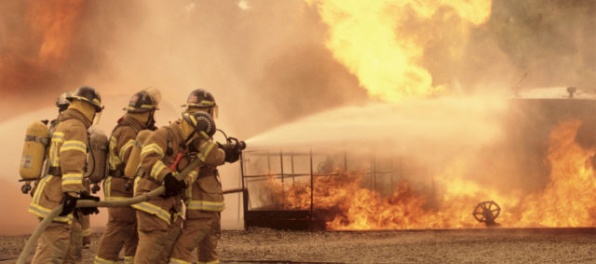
(107, 187)
(86, 232)
(209, 262)
(113, 159)
(74, 145)
(129, 259)
(57, 138)
(99, 260)
(157, 168)
(178, 261)
(72, 178)
(116, 198)
(193, 175)
(153, 147)
(154, 210)
(205, 149)
(126, 147)
(44, 212)
(40, 186)
(205, 205)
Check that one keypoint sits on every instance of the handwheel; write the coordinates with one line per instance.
(487, 211)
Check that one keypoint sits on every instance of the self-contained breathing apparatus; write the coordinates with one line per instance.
(34, 165)
(37, 138)
(97, 158)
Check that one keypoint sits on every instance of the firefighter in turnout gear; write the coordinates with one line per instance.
(121, 229)
(164, 155)
(64, 183)
(204, 198)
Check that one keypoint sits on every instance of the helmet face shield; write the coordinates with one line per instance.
(214, 111)
(96, 118)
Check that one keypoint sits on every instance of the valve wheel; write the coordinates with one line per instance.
(487, 211)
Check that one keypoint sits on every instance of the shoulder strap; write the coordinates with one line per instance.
(170, 150)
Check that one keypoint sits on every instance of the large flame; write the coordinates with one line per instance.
(382, 42)
(56, 25)
(567, 200)
(35, 53)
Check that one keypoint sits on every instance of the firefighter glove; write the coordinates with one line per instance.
(173, 185)
(89, 210)
(69, 203)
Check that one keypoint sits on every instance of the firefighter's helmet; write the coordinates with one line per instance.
(61, 101)
(200, 98)
(87, 94)
(141, 102)
(202, 123)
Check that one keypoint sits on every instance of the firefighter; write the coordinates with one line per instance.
(204, 201)
(64, 183)
(121, 229)
(164, 155)
(85, 221)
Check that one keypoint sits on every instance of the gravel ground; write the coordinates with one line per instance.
(420, 246)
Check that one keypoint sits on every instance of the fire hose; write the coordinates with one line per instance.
(90, 203)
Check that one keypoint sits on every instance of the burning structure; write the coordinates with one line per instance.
(539, 174)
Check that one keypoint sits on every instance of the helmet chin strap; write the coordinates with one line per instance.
(151, 120)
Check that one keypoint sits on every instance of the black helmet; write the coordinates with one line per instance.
(141, 102)
(61, 101)
(200, 98)
(202, 122)
(89, 95)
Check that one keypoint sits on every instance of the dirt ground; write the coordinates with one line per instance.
(419, 246)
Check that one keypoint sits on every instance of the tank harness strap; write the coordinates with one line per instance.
(41, 140)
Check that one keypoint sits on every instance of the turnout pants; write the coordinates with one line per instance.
(60, 243)
(121, 232)
(194, 232)
(156, 237)
(208, 246)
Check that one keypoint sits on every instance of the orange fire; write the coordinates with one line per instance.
(56, 25)
(383, 43)
(567, 200)
(40, 46)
